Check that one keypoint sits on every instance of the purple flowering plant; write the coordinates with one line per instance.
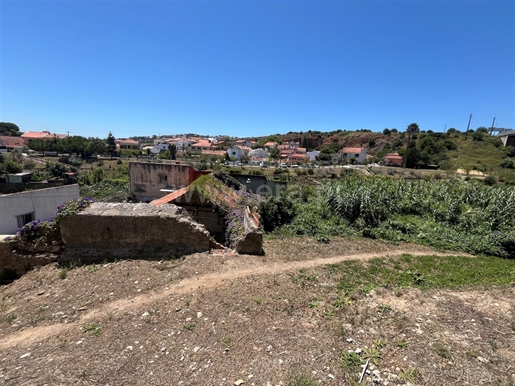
(49, 230)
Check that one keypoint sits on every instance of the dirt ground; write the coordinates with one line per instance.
(223, 319)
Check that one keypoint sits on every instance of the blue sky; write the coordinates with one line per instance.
(246, 68)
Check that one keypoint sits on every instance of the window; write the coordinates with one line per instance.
(163, 178)
(25, 218)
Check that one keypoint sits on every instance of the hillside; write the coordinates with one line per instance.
(307, 313)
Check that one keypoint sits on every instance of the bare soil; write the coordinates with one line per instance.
(216, 319)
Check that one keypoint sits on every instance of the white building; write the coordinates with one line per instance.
(17, 209)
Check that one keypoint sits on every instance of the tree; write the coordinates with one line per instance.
(274, 153)
(387, 131)
(110, 144)
(9, 129)
(173, 151)
(410, 130)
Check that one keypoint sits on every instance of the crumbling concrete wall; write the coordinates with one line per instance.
(119, 227)
(14, 264)
(252, 241)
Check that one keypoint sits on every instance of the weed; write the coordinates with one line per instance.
(384, 308)
(441, 350)
(190, 326)
(313, 304)
(341, 301)
(227, 341)
(494, 346)
(8, 318)
(373, 355)
(329, 313)
(94, 329)
(93, 268)
(63, 273)
(84, 373)
(350, 359)
(409, 374)
(401, 344)
(300, 378)
(379, 344)
(258, 301)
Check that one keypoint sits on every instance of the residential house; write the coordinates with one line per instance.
(18, 209)
(200, 146)
(312, 155)
(181, 143)
(298, 158)
(236, 153)
(354, 154)
(336, 158)
(127, 144)
(44, 135)
(392, 159)
(8, 143)
(258, 155)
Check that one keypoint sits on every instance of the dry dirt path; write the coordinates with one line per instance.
(191, 285)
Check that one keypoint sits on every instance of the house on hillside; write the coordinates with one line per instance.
(236, 152)
(392, 159)
(44, 135)
(354, 154)
(312, 155)
(127, 144)
(201, 146)
(8, 143)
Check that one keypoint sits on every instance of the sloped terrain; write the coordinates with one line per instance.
(279, 319)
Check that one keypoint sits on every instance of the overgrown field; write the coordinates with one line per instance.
(459, 215)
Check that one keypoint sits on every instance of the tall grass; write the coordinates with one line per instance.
(459, 215)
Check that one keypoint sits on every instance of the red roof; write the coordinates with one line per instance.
(352, 150)
(30, 135)
(170, 197)
(394, 158)
(10, 142)
(127, 141)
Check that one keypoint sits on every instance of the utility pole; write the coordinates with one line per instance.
(445, 129)
(492, 128)
(468, 126)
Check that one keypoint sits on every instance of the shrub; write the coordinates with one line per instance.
(276, 212)
(490, 180)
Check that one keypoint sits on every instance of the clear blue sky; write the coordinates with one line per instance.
(255, 68)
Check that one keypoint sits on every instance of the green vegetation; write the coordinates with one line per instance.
(423, 272)
(94, 329)
(455, 215)
(300, 378)
(9, 129)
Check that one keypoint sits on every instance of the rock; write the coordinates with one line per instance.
(25, 355)
(239, 382)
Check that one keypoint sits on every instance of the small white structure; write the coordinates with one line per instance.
(18, 209)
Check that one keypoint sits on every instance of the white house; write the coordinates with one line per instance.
(358, 154)
(17, 209)
(236, 152)
(312, 154)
